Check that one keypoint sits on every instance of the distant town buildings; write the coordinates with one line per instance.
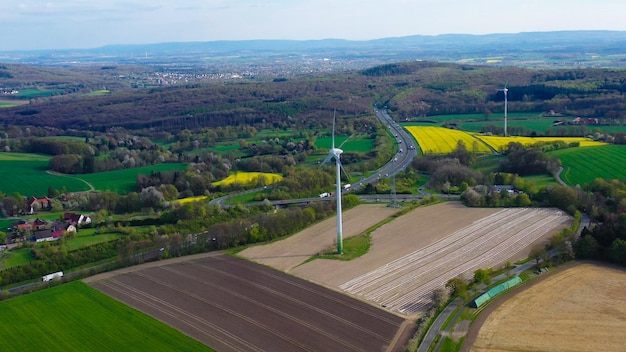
(9, 92)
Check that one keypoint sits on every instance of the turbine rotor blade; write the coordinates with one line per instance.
(327, 159)
(333, 138)
(342, 169)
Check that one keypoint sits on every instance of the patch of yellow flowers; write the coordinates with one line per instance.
(439, 140)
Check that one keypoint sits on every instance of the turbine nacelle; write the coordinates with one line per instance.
(336, 152)
(505, 90)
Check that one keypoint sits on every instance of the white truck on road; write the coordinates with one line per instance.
(49, 277)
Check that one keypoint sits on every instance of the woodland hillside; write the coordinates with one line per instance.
(411, 91)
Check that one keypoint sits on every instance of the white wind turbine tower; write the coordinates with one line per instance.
(336, 153)
(505, 90)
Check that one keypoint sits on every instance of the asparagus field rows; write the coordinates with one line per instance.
(405, 285)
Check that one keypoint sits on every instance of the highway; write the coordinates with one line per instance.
(407, 151)
(405, 155)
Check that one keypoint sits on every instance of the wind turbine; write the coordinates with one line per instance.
(505, 90)
(336, 153)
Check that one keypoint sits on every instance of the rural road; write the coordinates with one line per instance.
(558, 176)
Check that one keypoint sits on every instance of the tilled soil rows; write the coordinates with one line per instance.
(231, 304)
(420, 251)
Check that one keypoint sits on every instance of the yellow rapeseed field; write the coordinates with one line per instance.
(246, 178)
(440, 140)
(499, 142)
(189, 199)
(243, 178)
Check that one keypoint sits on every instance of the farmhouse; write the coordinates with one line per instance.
(506, 188)
(24, 226)
(40, 230)
(34, 204)
(39, 224)
(76, 219)
(43, 236)
(20, 226)
(63, 227)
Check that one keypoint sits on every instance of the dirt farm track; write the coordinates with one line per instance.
(289, 304)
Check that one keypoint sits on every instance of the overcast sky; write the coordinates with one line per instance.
(41, 24)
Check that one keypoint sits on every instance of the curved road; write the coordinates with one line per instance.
(403, 157)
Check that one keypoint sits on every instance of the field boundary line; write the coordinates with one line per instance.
(91, 187)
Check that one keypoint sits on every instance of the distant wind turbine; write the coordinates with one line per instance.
(505, 90)
(336, 153)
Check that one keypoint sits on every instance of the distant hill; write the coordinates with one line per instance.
(529, 49)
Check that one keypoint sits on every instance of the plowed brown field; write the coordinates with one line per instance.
(579, 309)
(235, 305)
(417, 252)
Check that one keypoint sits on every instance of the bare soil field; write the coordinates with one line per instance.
(231, 304)
(582, 308)
(292, 251)
(420, 251)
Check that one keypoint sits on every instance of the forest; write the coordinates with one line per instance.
(411, 90)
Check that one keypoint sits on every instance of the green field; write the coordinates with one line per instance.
(34, 93)
(352, 145)
(83, 238)
(124, 181)
(480, 117)
(5, 223)
(98, 92)
(26, 174)
(583, 165)
(88, 237)
(230, 147)
(15, 257)
(488, 163)
(532, 121)
(542, 180)
(76, 317)
(7, 104)
(537, 125)
(580, 165)
(267, 133)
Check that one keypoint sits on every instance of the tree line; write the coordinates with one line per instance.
(193, 228)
